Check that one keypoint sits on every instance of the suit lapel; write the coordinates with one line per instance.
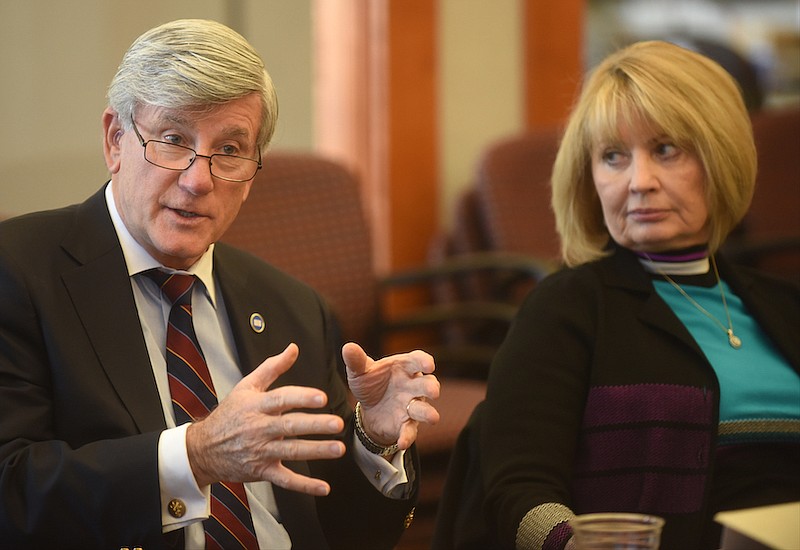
(101, 293)
(242, 302)
(243, 298)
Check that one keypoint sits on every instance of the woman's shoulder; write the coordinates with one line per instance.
(593, 282)
(749, 280)
(566, 288)
(590, 274)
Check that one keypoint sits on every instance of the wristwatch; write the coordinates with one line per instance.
(367, 441)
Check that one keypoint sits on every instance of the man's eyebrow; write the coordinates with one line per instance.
(235, 131)
(181, 120)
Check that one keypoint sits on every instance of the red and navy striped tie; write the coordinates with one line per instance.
(193, 397)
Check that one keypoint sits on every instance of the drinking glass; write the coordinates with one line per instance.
(616, 531)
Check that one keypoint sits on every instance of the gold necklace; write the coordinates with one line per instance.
(733, 340)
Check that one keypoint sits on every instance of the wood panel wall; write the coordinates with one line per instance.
(377, 93)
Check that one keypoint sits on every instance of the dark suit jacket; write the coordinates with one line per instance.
(80, 415)
(594, 357)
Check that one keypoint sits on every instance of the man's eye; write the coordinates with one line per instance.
(173, 139)
(230, 150)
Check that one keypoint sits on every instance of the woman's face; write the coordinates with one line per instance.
(651, 191)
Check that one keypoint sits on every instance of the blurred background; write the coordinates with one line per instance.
(407, 94)
(410, 132)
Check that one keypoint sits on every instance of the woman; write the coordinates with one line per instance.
(649, 375)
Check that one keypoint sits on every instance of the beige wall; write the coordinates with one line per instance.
(56, 59)
(481, 86)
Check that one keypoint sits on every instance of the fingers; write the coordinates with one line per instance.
(303, 449)
(286, 398)
(408, 434)
(414, 363)
(358, 362)
(419, 410)
(275, 472)
(355, 359)
(272, 367)
(252, 449)
(419, 361)
(429, 386)
(279, 450)
(421, 390)
(300, 424)
(292, 481)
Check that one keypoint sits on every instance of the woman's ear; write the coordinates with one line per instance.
(112, 135)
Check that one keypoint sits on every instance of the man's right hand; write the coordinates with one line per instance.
(253, 430)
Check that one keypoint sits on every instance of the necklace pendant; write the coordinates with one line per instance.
(734, 340)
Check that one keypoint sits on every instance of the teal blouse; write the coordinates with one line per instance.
(759, 391)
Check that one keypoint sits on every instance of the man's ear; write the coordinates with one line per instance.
(112, 134)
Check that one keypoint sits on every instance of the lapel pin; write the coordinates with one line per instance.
(257, 323)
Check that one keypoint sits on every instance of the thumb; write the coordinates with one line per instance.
(271, 368)
(355, 359)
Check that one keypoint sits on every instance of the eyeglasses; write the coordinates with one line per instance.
(179, 158)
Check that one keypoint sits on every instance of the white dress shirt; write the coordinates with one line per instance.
(212, 327)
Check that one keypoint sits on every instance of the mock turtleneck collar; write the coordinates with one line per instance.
(687, 261)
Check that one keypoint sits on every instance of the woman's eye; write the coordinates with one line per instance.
(229, 150)
(612, 157)
(667, 150)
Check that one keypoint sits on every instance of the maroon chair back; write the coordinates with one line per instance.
(773, 212)
(513, 188)
(304, 216)
(769, 236)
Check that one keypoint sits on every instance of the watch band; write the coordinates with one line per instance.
(368, 443)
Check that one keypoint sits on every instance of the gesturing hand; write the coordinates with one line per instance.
(393, 392)
(251, 432)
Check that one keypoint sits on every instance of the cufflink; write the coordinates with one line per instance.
(409, 518)
(176, 508)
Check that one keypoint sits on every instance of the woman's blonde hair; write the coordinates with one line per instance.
(683, 94)
(192, 64)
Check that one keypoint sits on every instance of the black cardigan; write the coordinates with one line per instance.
(600, 400)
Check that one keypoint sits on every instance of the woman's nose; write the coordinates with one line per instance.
(643, 174)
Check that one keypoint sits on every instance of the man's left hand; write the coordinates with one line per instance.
(394, 393)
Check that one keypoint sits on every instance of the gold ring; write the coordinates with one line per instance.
(408, 412)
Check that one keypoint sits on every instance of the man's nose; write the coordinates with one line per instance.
(197, 179)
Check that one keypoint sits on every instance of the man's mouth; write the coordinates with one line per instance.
(184, 213)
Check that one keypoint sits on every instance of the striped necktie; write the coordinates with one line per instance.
(193, 397)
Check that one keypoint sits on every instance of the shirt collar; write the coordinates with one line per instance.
(137, 259)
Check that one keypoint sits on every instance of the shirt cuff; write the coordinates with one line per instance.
(383, 475)
(183, 502)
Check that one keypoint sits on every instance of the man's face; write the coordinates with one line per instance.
(176, 215)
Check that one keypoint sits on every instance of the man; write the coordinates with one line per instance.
(101, 445)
